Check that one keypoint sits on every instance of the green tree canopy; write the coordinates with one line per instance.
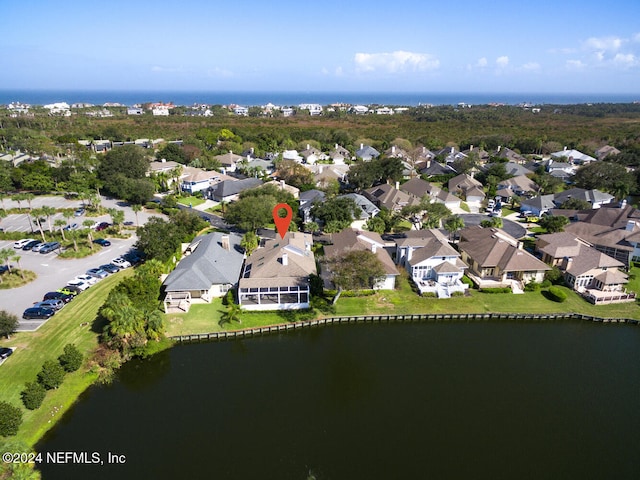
(606, 176)
(51, 375)
(356, 270)
(10, 419)
(553, 223)
(8, 323)
(337, 211)
(33, 395)
(71, 358)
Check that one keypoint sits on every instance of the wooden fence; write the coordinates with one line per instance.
(414, 318)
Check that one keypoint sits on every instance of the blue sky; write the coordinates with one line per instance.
(282, 45)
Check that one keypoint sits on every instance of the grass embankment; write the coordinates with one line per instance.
(191, 201)
(403, 300)
(73, 324)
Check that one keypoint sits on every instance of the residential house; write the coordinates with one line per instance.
(312, 155)
(315, 109)
(386, 196)
(367, 209)
(573, 156)
(339, 155)
(496, 259)
(229, 190)
(241, 111)
(292, 155)
(521, 186)
(210, 267)
(195, 180)
(367, 153)
(307, 200)
(450, 154)
(349, 240)
(510, 155)
(435, 169)
(434, 266)
(325, 174)
(418, 188)
(590, 272)
(611, 230)
(480, 155)
(280, 184)
(595, 197)
(135, 111)
(468, 187)
(228, 161)
(276, 275)
(359, 109)
(605, 151)
(537, 205)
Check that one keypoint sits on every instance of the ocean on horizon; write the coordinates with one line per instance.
(187, 98)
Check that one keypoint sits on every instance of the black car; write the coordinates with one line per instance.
(102, 241)
(31, 244)
(5, 352)
(49, 247)
(110, 268)
(37, 313)
(58, 296)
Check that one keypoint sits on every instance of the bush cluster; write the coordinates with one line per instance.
(496, 290)
(557, 294)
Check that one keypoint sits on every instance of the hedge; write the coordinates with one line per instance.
(557, 294)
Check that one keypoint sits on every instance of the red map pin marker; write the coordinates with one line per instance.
(282, 223)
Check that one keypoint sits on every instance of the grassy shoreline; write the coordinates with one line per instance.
(74, 325)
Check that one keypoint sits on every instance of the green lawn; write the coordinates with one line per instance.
(73, 324)
(205, 318)
(193, 201)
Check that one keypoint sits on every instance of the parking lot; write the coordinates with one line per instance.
(53, 273)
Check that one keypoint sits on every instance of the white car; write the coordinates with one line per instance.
(85, 278)
(79, 284)
(121, 262)
(22, 243)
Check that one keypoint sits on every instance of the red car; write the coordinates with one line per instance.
(102, 226)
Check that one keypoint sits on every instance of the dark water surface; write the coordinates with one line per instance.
(422, 401)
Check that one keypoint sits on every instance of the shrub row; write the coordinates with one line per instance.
(557, 294)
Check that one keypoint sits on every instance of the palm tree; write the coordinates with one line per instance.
(136, 207)
(453, 224)
(68, 214)
(88, 224)
(73, 234)
(18, 197)
(61, 223)
(117, 217)
(175, 174)
(5, 255)
(48, 211)
(16, 258)
(37, 215)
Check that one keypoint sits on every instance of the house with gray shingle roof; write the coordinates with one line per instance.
(210, 267)
(367, 152)
(229, 190)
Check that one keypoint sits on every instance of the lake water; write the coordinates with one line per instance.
(461, 400)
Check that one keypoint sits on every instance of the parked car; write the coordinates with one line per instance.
(79, 212)
(133, 257)
(97, 273)
(121, 262)
(71, 226)
(37, 313)
(53, 304)
(38, 247)
(49, 247)
(102, 226)
(22, 243)
(31, 244)
(70, 290)
(5, 352)
(102, 241)
(84, 278)
(110, 268)
(66, 298)
(79, 284)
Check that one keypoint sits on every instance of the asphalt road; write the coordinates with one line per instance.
(53, 272)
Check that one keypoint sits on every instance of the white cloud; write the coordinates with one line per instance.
(482, 62)
(575, 64)
(503, 61)
(625, 60)
(395, 62)
(636, 37)
(607, 44)
(531, 66)
(159, 69)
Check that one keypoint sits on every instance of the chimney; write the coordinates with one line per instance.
(337, 146)
(499, 147)
(471, 148)
(397, 185)
(393, 150)
(361, 146)
(565, 148)
(452, 150)
(373, 247)
(319, 168)
(225, 242)
(282, 184)
(428, 163)
(285, 259)
(630, 225)
(308, 147)
(163, 160)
